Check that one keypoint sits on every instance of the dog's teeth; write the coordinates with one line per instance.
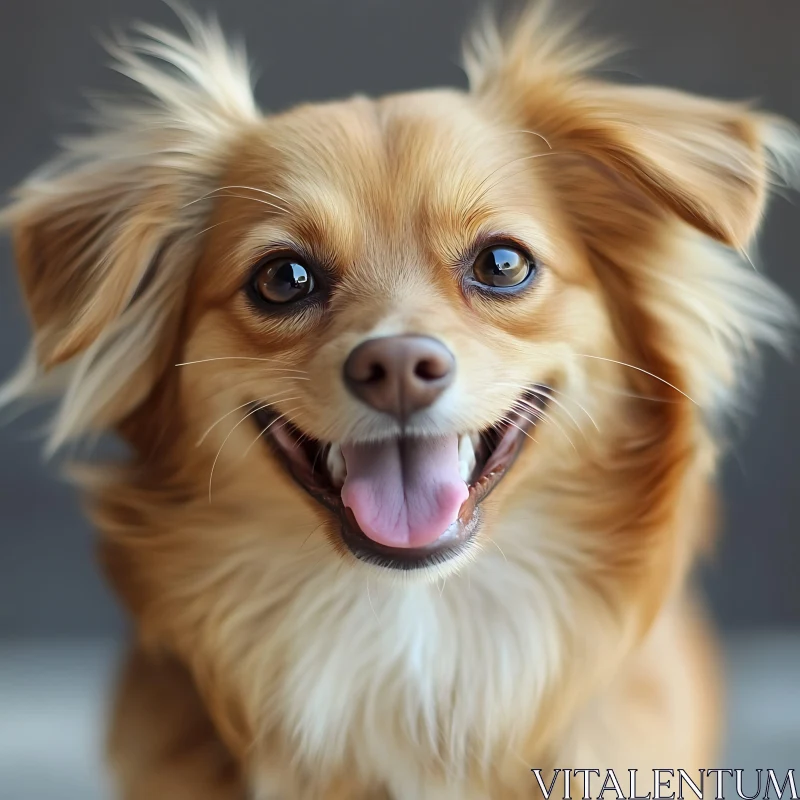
(336, 466)
(466, 457)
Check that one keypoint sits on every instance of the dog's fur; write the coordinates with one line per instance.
(267, 659)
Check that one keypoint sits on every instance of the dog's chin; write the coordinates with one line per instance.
(485, 458)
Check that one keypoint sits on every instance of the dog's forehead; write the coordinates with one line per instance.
(401, 142)
(360, 172)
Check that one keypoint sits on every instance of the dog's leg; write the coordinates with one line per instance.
(162, 745)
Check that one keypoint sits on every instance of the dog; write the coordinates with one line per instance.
(422, 399)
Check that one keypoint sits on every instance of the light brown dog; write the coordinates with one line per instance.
(423, 399)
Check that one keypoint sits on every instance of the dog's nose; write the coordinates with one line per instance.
(399, 374)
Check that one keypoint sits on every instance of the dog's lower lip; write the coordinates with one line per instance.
(501, 445)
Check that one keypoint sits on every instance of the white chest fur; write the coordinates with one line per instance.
(385, 678)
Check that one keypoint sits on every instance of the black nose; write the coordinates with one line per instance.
(399, 374)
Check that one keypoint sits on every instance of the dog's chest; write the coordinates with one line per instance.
(395, 681)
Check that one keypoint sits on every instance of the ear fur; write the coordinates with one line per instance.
(708, 161)
(105, 234)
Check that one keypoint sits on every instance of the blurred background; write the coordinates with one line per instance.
(60, 629)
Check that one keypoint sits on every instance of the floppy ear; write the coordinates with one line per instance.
(82, 257)
(105, 235)
(708, 161)
(704, 160)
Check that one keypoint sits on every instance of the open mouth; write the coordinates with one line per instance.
(409, 502)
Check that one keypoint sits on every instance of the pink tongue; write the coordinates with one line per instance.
(404, 492)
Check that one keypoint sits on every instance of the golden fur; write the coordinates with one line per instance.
(265, 655)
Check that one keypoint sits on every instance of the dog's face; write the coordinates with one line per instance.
(393, 297)
(405, 317)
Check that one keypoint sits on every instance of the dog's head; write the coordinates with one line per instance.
(404, 317)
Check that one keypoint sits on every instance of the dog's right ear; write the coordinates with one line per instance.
(83, 256)
(105, 235)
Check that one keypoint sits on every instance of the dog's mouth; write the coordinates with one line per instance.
(408, 502)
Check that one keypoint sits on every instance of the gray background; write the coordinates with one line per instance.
(313, 49)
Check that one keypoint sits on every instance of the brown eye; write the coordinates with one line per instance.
(283, 280)
(502, 267)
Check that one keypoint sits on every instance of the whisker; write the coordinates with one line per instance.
(243, 358)
(224, 442)
(210, 227)
(540, 390)
(214, 425)
(264, 430)
(544, 392)
(256, 200)
(640, 369)
(532, 133)
(369, 597)
(604, 387)
(316, 457)
(489, 538)
(226, 415)
(540, 414)
(511, 422)
(485, 436)
(313, 531)
(303, 437)
(253, 189)
(240, 385)
(213, 192)
(550, 399)
(261, 433)
(482, 189)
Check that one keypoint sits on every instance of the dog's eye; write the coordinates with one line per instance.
(282, 280)
(502, 266)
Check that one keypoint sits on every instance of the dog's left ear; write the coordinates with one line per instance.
(704, 160)
(708, 161)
